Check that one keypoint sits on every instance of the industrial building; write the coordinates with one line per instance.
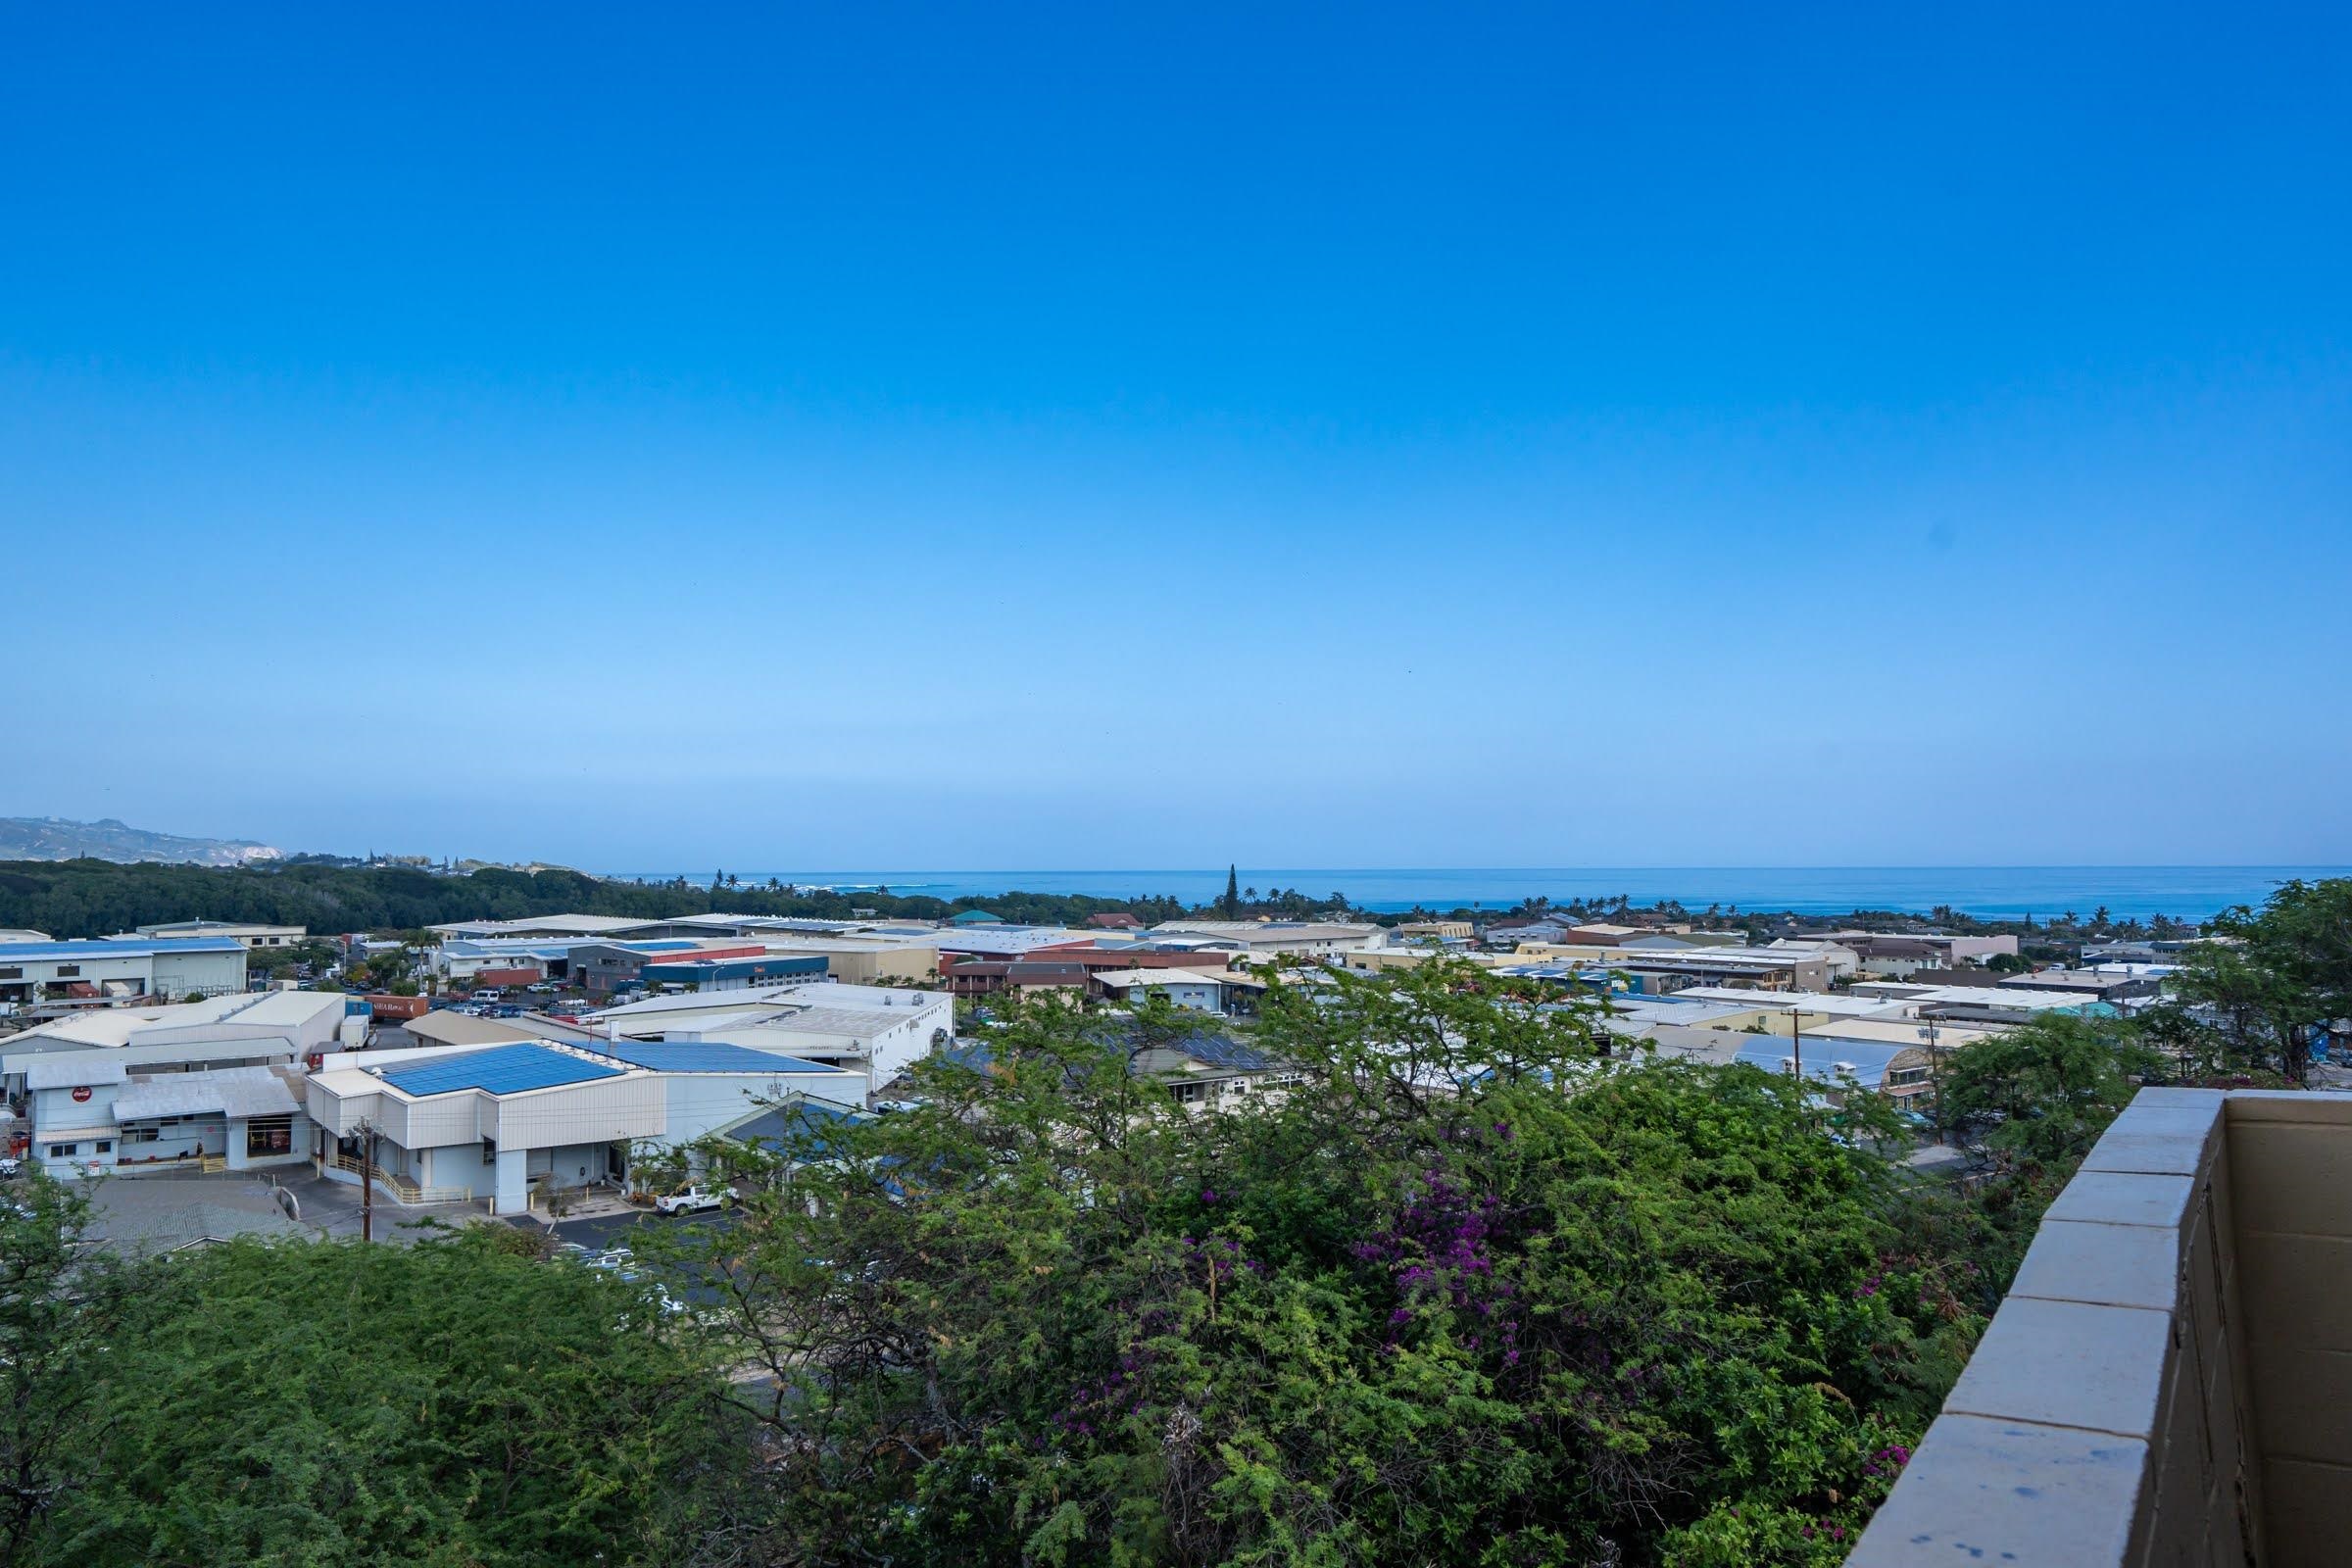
(700, 971)
(62, 976)
(1196, 990)
(246, 1029)
(873, 1029)
(252, 935)
(1651, 971)
(499, 1122)
(91, 1116)
(133, 1088)
(1272, 939)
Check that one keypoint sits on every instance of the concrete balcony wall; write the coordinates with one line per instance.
(2108, 1415)
(2290, 1162)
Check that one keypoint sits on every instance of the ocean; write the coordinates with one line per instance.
(1988, 892)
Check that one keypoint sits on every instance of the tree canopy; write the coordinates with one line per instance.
(2255, 999)
(329, 1402)
(1563, 1309)
(97, 897)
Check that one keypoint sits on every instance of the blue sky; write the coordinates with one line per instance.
(1046, 437)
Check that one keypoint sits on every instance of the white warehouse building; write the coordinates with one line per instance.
(244, 1029)
(95, 973)
(878, 1030)
(146, 1088)
(456, 1125)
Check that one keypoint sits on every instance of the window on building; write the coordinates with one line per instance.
(140, 1134)
(66, 970)
(64, 1151)
(104, 1146)
(270, 1135)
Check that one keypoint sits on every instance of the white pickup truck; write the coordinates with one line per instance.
(693, 1199)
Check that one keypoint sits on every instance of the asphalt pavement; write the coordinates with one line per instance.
(613, 1230)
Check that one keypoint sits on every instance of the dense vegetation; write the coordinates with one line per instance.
(98, 898)
(1468, 1293)
(452, 1402)
(1472, 1290)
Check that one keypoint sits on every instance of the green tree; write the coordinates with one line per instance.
(1462, 1291)
(1230, 906)
(2273, 976)
(2043, 1092)
(450, 1402)
(59, 1309)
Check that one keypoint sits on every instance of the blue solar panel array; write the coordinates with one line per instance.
(501, 1071)
(702, 1055)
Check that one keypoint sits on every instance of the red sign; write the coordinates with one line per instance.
(81, 1095)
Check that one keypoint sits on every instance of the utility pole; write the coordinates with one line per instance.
(1796, 1044)
(367, 1181)
(1935, 1076)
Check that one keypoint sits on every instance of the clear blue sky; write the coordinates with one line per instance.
(1001, 436)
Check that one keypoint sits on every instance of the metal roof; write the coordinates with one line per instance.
(73, 1069)
(687, 967)
(1826, 1058)
(1169, 976)
(230, 1091)
(1223, 1050)
(12, 952)
(802, 1118)
(859, 1023)
(704, 1056)
(500, 1070)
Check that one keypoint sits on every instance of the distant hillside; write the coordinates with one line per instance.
(54, 838)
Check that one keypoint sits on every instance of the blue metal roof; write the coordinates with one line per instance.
(1822, 1053)
(500, 1070)
(805, 1122)
(10, 952)
(703, 1055)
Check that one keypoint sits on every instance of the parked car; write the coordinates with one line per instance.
(9, 1165)
(694, 1199)
(612, 1257)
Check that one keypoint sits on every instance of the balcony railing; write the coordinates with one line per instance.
(2168, 1380)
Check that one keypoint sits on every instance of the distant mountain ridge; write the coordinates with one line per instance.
(56, 838)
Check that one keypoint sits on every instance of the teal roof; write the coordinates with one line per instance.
(976, 917)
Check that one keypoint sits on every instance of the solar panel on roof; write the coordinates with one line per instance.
(703, 1055)
(502, 1070)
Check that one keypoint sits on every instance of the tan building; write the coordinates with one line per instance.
(252, 935)
(864, 960)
